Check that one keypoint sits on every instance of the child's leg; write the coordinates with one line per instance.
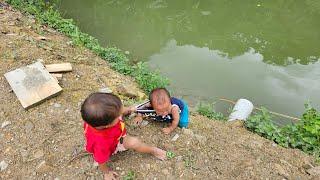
(134, 143)
(184, 117)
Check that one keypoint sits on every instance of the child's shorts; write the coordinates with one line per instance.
(184, 116)
(120, 147)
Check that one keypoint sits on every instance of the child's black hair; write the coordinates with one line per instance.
(157, 94)
(101, 109)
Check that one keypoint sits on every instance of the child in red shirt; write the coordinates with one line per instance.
(105, 132)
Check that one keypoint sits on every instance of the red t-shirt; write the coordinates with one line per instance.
(102, 143)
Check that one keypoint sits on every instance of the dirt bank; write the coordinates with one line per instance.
(40, 142)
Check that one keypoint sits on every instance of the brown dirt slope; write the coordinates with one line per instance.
(39, 143)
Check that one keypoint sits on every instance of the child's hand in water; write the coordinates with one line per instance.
(167, 130)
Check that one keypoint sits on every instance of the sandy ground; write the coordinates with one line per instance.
(40, 142)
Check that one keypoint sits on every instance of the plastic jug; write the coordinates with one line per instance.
(241, 110)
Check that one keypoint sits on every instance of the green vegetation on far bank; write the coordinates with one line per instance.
(46, 14)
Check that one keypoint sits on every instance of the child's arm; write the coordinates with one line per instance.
(108, 174)
(175, 121)
(129, 110)
(137, 120)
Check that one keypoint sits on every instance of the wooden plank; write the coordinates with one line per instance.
(63, 67)
(58, 76)
(32, 84)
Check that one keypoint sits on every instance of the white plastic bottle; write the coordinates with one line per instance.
(241, 110)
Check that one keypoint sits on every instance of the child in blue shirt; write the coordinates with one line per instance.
(166, 109)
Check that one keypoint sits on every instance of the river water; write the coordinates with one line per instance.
(265, 51)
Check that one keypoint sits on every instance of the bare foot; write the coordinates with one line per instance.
(159, 153)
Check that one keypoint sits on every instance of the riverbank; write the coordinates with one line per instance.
(39, 143)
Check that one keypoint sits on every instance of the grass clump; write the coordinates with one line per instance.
(207, 110)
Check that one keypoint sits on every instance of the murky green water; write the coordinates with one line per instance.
(265, 51)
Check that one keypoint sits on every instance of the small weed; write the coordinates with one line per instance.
(208, 111)
(130, 176)
(170, 154)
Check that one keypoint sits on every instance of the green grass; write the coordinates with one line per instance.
(207, 110)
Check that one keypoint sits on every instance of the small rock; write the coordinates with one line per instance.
(187, 132)
(95, 164)
(105, 90)
(315, 171)
(43, 167)
(28, 126)
(148, 166)
(179, 158)
(274, 145)
(57, 105)
(281, 170)
(127, 90)
(24, 154)
(200, 138)
(165, 171)
(66, 111)
(38, 154)
(40, 60)
(5, 123)
(118, 168)
(236, 124)
(127, 52)
(3, 165)
(42, 38)
(144, 123)
(141, 95)
(175, 137)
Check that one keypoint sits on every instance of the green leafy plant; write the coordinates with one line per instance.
(304, 134)
(208, 111)
(170, 155)
(130, 176)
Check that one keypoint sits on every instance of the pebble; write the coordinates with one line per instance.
(314, 171)
(175, 137)
(187, 132)
(95, 164)
(144, 123)
(38, 154)
(3, 165)
(105, 90)
(5, 123)
(165, 171)
(57, 105)
(28, 126)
